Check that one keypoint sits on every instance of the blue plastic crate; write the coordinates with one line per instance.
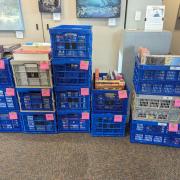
(106, 125)
(7, 102)
(68, 73)
(39, 122)
(108, 101)
(10, 121)
(71, 121)
(6, 75)
(150, 132)
(72, 98)
(71, 41)
(33, 99)
(156, 79)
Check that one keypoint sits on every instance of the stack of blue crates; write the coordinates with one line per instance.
(9, 109)
(109, 112)
(72, 72)
(156, 104)
(35, 96)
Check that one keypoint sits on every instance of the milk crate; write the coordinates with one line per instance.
(71, 41)
(10, 121)
(39, 122)
(154, 133)
(156, 79)
(8, 99)
(155, 114)
(109, 101)
(6, 75)
(159, 108)
(156, 102)
(32, 74)
(35, 99)
(73, 121)
(72, 98)
(108, 124)
(70, 73)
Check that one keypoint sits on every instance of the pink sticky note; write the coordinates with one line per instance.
(177, 103)
(84, 65)
(122, 94)
(13, 116)
(84, 91)
(85, 116)
(117, 118)
(10, 92)
(45, 92)
(173, 127)
(49, 117)
(2, 65)
(44, 65)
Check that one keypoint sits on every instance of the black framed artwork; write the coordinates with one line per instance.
(50, 6)
(98, 8)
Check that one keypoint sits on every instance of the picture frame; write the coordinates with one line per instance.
(98, 8)
(49, 6)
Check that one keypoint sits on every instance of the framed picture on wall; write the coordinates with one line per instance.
(98, 8)
(11, 15)
(50, 6)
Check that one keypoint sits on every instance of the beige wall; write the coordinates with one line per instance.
(106, 39)
(170, 20)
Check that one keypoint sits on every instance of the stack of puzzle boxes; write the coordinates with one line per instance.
(72, 74)
(156, 100)
(33, 81)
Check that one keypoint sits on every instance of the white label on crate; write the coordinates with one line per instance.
(162, 124)
(19, 34)
(167, 97)
(56, 16)
(174, 68)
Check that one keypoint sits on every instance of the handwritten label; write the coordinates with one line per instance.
(2, 65)
(177, 103)
(10, 92)
(84, 65)
(19, 34)
(44, 65)
(13, 116)
(173, 127)
(122, 94)
(84, 91)
(45, 92)
(85, 115)
(49, 117)
(117, 118)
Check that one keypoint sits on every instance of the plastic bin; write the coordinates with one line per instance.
(32, 74)
(71, 41)
(156, 102)
(10, 121)
(32, 99)
(155, 114)
(68, 73)
(108, 124)
(73, 121)
(108, 101)
(8, 99)
(72, 98)
(6, 75)
(156, 79)
(154, 133)
(39, 122)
